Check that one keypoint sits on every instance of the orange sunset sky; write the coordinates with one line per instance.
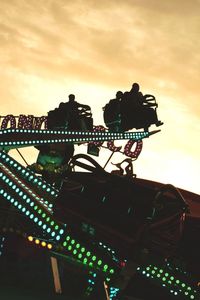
(93, 48)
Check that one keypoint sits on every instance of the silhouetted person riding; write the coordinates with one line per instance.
(136, 111)
(52, 161)
(70, 115)
(112, 112)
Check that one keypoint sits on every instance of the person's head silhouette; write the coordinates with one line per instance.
(71, 98)
(119, 95)
(135, 88)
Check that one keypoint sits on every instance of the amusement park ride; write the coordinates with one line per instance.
(128, 238)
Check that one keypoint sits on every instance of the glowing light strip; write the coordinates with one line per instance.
(91, 282)
(26, 188)
(2, 239)
(122, 135)
(37, 213)
(72, 246)
(29, 175)
(176, 286)
(22, 140)
(113, 292)
(40, 242)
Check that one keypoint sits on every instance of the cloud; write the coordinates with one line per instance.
(137, 32)
(115, 42)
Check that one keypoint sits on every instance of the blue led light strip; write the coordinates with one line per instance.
(29, 176)
(91, 283)
(24, 187)
(28, 203)
(12, 138)
(37, 218)
(113, 292)
(79, 134)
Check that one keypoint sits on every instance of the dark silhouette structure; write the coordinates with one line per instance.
(112, 112)
(105, 234)
(53, 159)
(128, 169)
(71, 116)
(131, 110)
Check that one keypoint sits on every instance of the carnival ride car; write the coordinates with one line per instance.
(120, 231)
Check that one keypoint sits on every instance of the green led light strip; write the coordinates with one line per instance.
(175, 286)
(42, 218)
(31, 214)
(35, 211)
(28, 175)
(26, 188)
(85, 256)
